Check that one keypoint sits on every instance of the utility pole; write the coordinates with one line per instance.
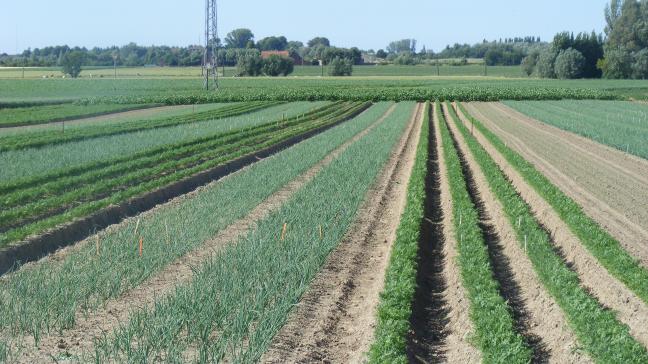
(485, 68)
(210, 58)
(115, 56)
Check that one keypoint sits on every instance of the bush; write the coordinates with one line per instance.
(340, 67)
(249, 65)
(276, 65)
(545, 65)
(406, 59)
(569, 64)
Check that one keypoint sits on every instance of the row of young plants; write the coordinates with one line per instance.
(607, 250)
(109, 167)
(36, 140)
(495, 332)
(56, 113)
(26, 190)
(49, 208)
(82, 188)
(239, 300)
(368, 93)
(23, 164)
(395, 308)
(601, 334)
(45, 297)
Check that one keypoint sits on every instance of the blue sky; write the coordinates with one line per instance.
(366, 24)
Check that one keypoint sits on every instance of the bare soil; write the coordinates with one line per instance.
(539, 318)
(610, 292)
(611, 186)
(79, 340)
(335, 319)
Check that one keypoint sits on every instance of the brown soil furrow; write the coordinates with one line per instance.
(610, 198)
(610, 292)
(449, 320)
(335, 319)
(545, 321)
(79, 340)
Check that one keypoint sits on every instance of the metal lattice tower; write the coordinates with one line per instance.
(210, 58)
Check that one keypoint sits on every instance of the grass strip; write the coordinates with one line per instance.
(495, 332)
(605, 338)
(395, 307)
(137, 187)
(46, 296)
(607, 250)
(239, 300)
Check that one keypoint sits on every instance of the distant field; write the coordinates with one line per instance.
(619, 124)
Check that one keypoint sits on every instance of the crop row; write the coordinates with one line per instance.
(598, 242)
(395, 93)
(34, 140)
(495, 331)
(133, 180)
(55, 113)
(605, 338)
(395, 308)
(88, 276)
(246, 307)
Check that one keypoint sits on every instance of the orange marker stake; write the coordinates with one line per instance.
(283, 231)
(141, 246)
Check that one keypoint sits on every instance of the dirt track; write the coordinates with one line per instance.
(539, 318)
(335, 319)
(610, 292)
(79, 340)
(611, 186)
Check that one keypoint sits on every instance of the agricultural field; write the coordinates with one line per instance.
(387, 217)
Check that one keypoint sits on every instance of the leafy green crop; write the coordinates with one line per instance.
(605, 338)
(395, 306)
(494, 325)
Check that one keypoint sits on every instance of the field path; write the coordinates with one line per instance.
(335, 319)
(544, 321)
(79, 340)
(610, 292)
(611, 186)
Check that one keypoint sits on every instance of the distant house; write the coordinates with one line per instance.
(297, 60)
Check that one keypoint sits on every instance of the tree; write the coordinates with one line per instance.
(273, 44)
(239, 38)
(295, 45)
(249, 64)
(545, 64)
(341, 67)
(640, 65)
(401, 46)
(569, 64)
(323, 41)
(72, 62)
(529, 63)
(617, 64)
(276, 65)
(381, 54)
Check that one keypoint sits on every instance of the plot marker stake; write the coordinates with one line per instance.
(141, 246)
(137, 226)
(283, 231)
(525, 243)
(320, 231)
